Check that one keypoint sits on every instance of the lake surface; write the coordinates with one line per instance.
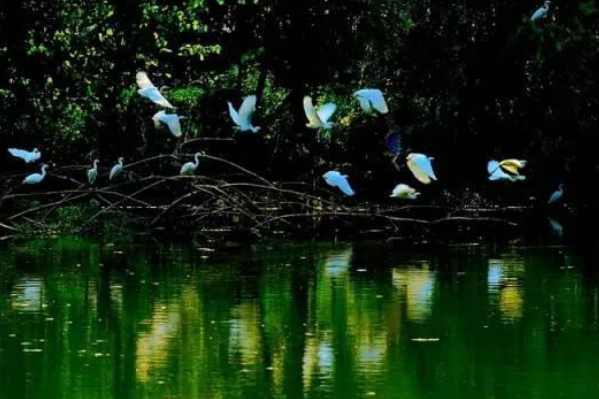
(126, 321)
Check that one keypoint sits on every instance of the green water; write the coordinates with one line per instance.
(87, 320)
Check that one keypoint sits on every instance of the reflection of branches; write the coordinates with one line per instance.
(243, 200)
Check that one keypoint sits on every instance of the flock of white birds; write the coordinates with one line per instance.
(372, 101)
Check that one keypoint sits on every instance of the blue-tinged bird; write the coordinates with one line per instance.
(557, 227)
(372, 101)
(27, 156)
(171, 121)
(318, 118)
(421, 168)
(557, 196)
(393, 144)
(116, 169)
(243, 117)
(92, 174)
(151, 92)
(541, 12)
(190, 167)
(36, 178)
(496, 173)
(403, 191)
(336, 179)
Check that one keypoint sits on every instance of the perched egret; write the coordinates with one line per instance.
(512, 166)
(36, 178)
(336, 179)
(92, 174)
(496, 173)
(393, 143)
(28, 157)
(151, 92)
(190, 167)
(557, 196)
(318, 118)
(243, 117)
(541, 12)
(172, 121)
(403, 191)
(116, 169)
(371, 101)
(421, 167)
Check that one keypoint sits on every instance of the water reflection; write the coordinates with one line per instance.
(301, 322)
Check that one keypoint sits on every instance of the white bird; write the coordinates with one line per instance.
(116, 169)
(92, 174)
(318, 118)
(172, 121)
(403, 191)
(243, 117)
(36, 178)
(496, 173)
(190, 167)
(557, 196)
(149, 91)
(372, 100)
(28, 157)
(336, 179)
(541, 12)
(421, 167)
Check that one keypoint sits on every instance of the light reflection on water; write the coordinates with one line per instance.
(296, 321)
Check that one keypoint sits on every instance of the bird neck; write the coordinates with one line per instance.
(197, 158)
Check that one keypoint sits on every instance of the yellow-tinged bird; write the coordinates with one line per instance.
(421, 167)
(403, 191)
(512, 166)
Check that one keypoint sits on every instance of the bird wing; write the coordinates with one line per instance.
(158, 118)
(15, 152)
(326, 111)
(375, 98)
(234, 114)
(247, 109)
(393, 143)
(311, 113)
(555, 197)
(512, 166)
(155, 96)
(143, 81)
(492, 166)
(499, 174)
(344, 186)
(418, 173)
(116, 169)
(364, 103)
(424, 163)
(174, 124)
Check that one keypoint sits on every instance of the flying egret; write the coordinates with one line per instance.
(172, 121)
(243, 117)
(371, 101)
(512, 166)
(28, 157)
(403, 191)
(92, 174)
(541, 12)
(496, 173)
(36, 178)
(421, 167)
(557, 196)
(318, 118)
(116, 169)
(190, 167)
(336, 179)
(149, 91)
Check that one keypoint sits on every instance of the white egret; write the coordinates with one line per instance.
(512, 166)
(172, 121)
(541, 12)
(421, 167)
(92, 174)
(116, 169)
(36, 178)
(336, 179)
(403, 191)
(190, 167)
(318, 118)
(243, 117)
(372, 100)
(149, 91)
(557, 227)
(496, 173)
(557, 196)
(27, 156)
